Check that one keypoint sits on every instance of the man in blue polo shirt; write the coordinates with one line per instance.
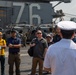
(14, 45)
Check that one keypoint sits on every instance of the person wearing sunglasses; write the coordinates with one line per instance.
(40, 48)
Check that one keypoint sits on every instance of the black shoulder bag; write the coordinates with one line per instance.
(30, 51)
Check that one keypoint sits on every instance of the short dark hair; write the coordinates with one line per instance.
(67, 34)
(13, 31)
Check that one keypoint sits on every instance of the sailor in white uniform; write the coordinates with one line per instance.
(60, 57)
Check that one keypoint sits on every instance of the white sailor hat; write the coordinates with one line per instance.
(67, 25)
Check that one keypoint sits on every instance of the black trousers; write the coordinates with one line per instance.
(2, 61)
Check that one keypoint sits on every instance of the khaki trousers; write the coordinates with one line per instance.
(36, 61)
(14, 59)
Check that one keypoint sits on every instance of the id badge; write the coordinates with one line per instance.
(0, 47)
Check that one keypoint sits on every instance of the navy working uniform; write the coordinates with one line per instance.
(14, 54)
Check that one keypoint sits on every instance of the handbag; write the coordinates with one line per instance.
(30, 51)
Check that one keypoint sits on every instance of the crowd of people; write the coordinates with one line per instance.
(56, 54)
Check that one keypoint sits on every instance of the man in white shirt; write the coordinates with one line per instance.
(60, 57)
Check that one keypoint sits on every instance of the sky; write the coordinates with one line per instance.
(69, 8)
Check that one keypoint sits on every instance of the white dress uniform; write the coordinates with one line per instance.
(61, 56)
